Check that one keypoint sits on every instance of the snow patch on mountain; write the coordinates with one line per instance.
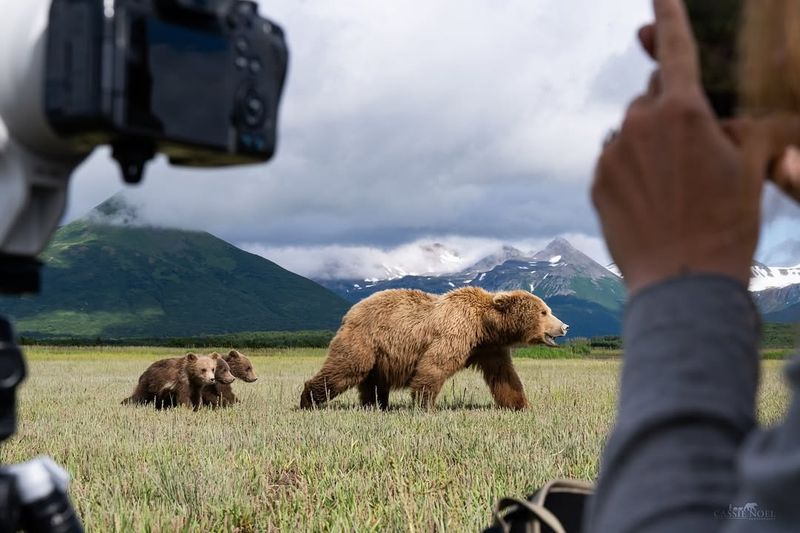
(764, 277)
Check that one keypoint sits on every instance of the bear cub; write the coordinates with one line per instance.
(176, 381)
(221, 393)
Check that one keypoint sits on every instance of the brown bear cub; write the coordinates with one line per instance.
(175, 381)
(402, 338)
(221, 393)
(221, 376)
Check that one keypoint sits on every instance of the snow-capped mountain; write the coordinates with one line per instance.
(506, 253)
(433, 258)
(776, 292)
(764, 277)
(580, 291)
(612, 267)
(575, 286)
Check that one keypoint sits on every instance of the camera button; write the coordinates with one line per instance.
(241, 62)
(247, 7)
(252, 110)
(255, 66)
(241, 45)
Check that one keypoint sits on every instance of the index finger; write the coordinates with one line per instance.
(676, 51)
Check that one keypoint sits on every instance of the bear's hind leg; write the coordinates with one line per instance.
(139, 396)
(347, 365)
(374, 391)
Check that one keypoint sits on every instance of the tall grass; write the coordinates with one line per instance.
(263, 465)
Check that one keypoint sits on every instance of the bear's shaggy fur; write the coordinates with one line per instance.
(221, 393)
(175, 381)
(222, 377)
(408, 338)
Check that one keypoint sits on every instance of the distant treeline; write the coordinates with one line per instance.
(259, 339)
(774, 336)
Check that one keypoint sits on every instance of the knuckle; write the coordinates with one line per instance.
(685, 106)
(636, 117)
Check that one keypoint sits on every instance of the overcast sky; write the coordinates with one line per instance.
(466, 122)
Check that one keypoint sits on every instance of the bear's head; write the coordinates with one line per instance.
(223, 374)
(202, 368)
(522, 318)
(241, 367)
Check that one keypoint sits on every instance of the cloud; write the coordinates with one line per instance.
(405, 120)
(463, 122)
(439, 255)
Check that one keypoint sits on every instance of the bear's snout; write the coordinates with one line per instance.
(564, 328)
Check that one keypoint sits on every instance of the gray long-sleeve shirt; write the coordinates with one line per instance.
(685, 454)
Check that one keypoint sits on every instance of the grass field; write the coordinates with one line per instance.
(265, 466)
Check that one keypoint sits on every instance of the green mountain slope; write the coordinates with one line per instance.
(129, 281)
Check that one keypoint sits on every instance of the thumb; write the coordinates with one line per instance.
(767, 144)
(786, 173)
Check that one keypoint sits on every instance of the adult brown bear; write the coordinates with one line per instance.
(408, 338)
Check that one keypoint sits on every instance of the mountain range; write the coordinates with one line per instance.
(108, 277)
(580, 291)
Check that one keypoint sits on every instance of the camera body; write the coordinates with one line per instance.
(197, 80)
(716, 29)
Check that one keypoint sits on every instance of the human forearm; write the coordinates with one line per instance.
(686, 403)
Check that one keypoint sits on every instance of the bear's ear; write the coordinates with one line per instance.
(191, 357)
(214, 355)
(502, 301)
(234, 354)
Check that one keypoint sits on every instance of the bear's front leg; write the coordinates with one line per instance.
(498, 371)
(227, 397)
(319, 390)
(183, 396)
(197, 398)
(425, 388)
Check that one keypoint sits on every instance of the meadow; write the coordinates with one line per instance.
(263, 465)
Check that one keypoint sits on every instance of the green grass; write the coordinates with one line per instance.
(778, 335)
(266, 466)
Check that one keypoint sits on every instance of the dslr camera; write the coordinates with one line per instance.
(197, 80)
